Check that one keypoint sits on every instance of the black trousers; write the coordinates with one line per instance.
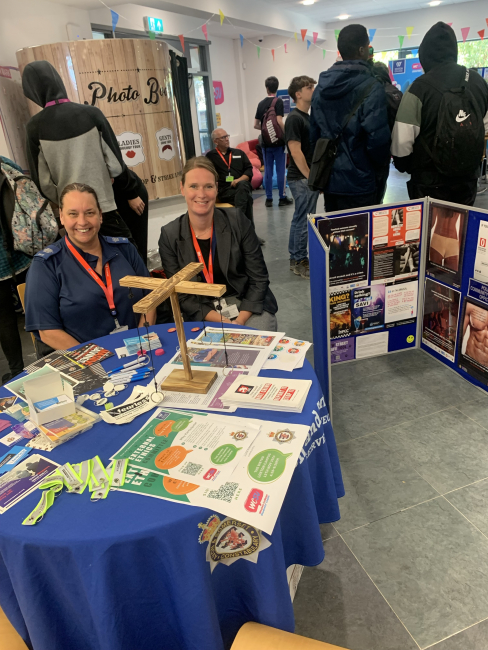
(463, 192)
(137, 225)
(240, 196)
(334, 202)
(9, 329)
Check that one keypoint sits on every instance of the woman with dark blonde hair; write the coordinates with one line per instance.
(73, 293)
(225, 241)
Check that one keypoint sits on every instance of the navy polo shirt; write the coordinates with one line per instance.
(60, 295)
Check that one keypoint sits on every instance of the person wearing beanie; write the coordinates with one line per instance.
(416, 143)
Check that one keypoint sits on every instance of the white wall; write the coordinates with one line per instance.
(467, 14)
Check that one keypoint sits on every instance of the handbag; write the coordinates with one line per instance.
(325, 151)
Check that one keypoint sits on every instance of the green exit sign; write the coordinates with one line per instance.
(153, 24)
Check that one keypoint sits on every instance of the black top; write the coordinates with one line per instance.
(240, 259)
(297, 127)
(239, 165)
(265, 104)
(218, 276)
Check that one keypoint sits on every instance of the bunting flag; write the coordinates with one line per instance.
(450, 24)
(372, 32)
(272, 54)
(323, 54)
(400, 38)
(315, 37)
(152, 35)
(242, 40)
(221, 17)
(296, 37)
(486, 20)
(204, 30)
(409, 32)
(286, 51)
(337, 32)
(303, 33)
(182, 41)
(259, 50)
(308, 44)
(481, 34)
(115, 19)
(465, 32)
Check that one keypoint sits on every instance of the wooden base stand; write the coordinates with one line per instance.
(201, 382)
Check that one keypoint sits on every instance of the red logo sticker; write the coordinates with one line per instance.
(254, 499)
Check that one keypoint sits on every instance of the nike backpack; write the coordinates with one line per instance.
(32, 225)
(271, 131)
(459, 139)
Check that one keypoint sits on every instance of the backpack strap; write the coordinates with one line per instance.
(356, 106)
(438, 85)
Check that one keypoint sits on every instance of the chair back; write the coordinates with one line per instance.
(262, 637)
(21, 292)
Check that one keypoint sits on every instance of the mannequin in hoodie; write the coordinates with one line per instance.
(73, 143)
(416, 120)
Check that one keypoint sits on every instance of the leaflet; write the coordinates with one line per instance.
(481, 258)
(237, 337)
(218, 357)
(268, 393)
(212, 443)
(254, 492)
(440, 322)
(24, 479)
(141, 400)
(12, 458)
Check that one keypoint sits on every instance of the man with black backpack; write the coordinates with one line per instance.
(439, 131)
(349, 126)
(269, 121)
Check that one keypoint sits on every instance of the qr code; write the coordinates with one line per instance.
(224, 493)
(191, 468)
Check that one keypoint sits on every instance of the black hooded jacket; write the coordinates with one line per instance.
(417, 115)
(71, 143)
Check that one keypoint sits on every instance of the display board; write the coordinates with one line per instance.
(404, 72)
(455, 310)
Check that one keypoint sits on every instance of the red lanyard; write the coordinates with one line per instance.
(107, 290)
(208, 274)
(225, 161)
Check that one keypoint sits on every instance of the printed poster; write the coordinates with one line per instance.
(368, 308)
(401, 301)
(218, 357)
(481, 258)
(348, 241)
(395, 242)
(445, 246)
(340, 314)
(342, 350)
(441, 312)
(473, 351)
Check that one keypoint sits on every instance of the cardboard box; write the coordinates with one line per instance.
(44, 388)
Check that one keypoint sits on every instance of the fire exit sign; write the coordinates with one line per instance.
(153, 24)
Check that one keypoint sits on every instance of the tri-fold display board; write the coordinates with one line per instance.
(406, 275)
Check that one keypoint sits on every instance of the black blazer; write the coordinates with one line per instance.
(240, 258)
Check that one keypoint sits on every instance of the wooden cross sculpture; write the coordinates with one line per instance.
(186, 380)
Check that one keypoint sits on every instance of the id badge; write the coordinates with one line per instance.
(229, 179)
(228, 311)
(119, 327)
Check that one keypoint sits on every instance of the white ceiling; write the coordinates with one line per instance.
(329, 10)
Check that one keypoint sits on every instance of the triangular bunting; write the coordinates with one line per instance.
(315, 37)
(221, 13)
(323, 54)
(303, 32)
(272, 54)
(259, 50)
(400, 38)
(308, 44)
(182, 41)
(337, 32)
(204, 30)
(465, 32)
(409, 32)
(152, 35)
(115, 19)
(242, 40)
(286, 51)
(486, 20)
(296, 37)
(481, 34)
(450, 24)
(372, 32)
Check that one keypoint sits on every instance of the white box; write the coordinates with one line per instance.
(46, 387)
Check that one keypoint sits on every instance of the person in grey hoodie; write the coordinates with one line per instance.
(74, 143)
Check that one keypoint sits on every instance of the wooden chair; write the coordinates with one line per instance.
(224, 205)
(9, 639)
(262, 637)
(21, 291)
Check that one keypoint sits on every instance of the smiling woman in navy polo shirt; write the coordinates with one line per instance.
(73, 293)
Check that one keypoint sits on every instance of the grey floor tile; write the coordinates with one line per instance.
(474, 638)
(337, 603)
(447, 448)
(442, 385)
(327, 531)
(378, 482)
(430, 565)
(472, 501)
(477, 410)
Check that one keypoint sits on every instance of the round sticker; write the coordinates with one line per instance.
(172, 329)
(196, 329)
(284, 341)
(293, 351)
(299, 343)
(411, 338)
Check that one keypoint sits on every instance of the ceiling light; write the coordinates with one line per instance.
(343, 17)
(435, 3)
(308, 2)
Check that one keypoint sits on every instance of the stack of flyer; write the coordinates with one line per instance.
(267, 393)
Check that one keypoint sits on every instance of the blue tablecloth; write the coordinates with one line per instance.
(128, 572)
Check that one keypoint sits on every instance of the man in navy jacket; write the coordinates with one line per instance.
(365, 143)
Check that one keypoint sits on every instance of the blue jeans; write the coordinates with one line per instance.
(274, 155)
(305, 204)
